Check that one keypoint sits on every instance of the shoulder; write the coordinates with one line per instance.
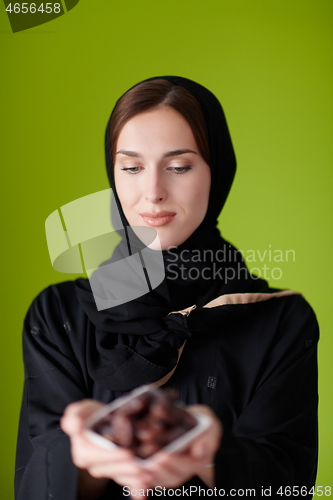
(299, 316)
(274, 311)
(290, 315)
(293, 304)
(54, 306)
(282, 326)
(287, 300)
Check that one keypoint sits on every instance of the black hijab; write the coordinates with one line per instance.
(137, 342)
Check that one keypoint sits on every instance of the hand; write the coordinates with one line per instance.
(117, 464)
(173, 470)
(168, 470)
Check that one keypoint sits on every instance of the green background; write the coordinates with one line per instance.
(270, 64)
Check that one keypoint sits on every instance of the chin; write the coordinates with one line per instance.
(170, 240)
(163, 242)
(167, 237)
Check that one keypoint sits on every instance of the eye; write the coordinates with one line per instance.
(131, 170)
(180, 170)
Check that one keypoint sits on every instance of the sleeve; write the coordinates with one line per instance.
(272, 448)
(53, 380)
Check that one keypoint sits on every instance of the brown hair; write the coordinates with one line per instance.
(155, 94)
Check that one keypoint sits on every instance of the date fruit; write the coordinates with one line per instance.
(147, 422)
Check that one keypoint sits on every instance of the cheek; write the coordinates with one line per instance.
(197, 196)
(126, 194)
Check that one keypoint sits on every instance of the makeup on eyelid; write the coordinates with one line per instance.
(183, 169)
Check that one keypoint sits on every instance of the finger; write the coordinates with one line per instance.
(76, 413)
(170, 476)
(123, 475)
(200, 448)
(201, 409)
(170, 461)
(85, 453)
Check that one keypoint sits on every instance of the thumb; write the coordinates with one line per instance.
(75, 415)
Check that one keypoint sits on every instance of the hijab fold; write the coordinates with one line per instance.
(137, 342)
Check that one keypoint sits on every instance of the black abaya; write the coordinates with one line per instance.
(259, 375)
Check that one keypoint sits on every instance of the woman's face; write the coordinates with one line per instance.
(161, 179)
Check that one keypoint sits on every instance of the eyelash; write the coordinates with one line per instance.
(184, 169)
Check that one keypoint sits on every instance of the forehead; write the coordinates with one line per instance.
(155, 130)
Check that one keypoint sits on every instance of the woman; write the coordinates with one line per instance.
(231, 346)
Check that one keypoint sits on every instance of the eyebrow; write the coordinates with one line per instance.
(176, 152)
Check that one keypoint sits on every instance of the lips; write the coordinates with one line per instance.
(158, 218)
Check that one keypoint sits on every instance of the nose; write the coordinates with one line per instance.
(155, 187)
